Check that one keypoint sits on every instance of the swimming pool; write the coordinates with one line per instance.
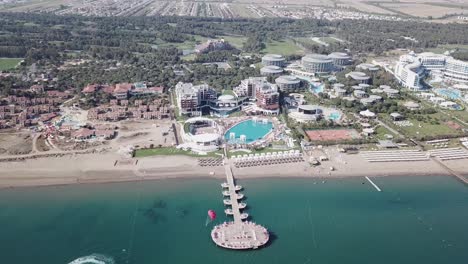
(449, 93)
(317, 89)
(334, 116)
(253, 131)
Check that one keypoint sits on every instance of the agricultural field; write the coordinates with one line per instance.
(424, 10)
(334, 9)
(367, 7)
(9, 63)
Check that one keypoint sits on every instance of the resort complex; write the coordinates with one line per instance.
(412, 68)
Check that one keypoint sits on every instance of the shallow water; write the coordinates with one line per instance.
(414, 220)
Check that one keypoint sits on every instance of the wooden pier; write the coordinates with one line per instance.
(238, 234)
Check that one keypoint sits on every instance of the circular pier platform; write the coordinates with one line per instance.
(244, 216)
(229, 211)
(243, 235)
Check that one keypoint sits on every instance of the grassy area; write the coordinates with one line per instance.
(189, 57)
(381, 131)
(284, 47)
(9, 63)
(448, 47)
(187, 45)
(424, 128)
(168, 151)
(236, 41)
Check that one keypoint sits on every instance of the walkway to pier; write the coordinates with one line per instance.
(233, 194)
(238, 234)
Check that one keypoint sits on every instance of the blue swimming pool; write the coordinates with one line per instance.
(253, 131)
(334, 116)
(318, 89)
(448, 93)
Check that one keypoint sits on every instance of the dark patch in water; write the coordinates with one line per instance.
(159, 204)
(182, 213)
(154, 216)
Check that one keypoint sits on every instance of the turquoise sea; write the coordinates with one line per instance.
(413, 220)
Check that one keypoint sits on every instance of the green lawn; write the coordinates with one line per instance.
(190, 57)
(428, 129)
(284, 47)
(236, 41)
(187, 45)
(381, 131)
(9, 63)
(448, 47)
(169, 151)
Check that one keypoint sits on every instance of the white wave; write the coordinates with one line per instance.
(93, 259)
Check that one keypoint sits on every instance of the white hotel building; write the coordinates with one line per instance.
(456, 70)
(412, 67)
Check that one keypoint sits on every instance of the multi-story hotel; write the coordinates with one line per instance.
(259, 89)
(456, 70)
(191, 98)
(273, 60)
(317, 63)
(412, 67)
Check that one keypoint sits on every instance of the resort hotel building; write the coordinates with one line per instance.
(289, 84)
(265, 94)
(318, 64)
(306, 113)
(409, 72)
(271, 70)
(359, 77)
(456, 70)
(273, 60)
(411, 68)
(340, 59)
(192, 99)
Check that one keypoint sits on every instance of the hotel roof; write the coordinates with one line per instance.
(316, 58)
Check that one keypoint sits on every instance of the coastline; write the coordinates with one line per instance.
(107, 168)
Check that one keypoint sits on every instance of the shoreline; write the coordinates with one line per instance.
(100, 168)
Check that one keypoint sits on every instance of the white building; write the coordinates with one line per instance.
(271, 70)
(409, 71)
(306, 113)
(288, 83)
(317, 63)
(273, 60)
(360, 77)
(456, 70)
(191, 97)
(412, 67)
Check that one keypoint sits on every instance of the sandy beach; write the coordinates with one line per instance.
(109, 167)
